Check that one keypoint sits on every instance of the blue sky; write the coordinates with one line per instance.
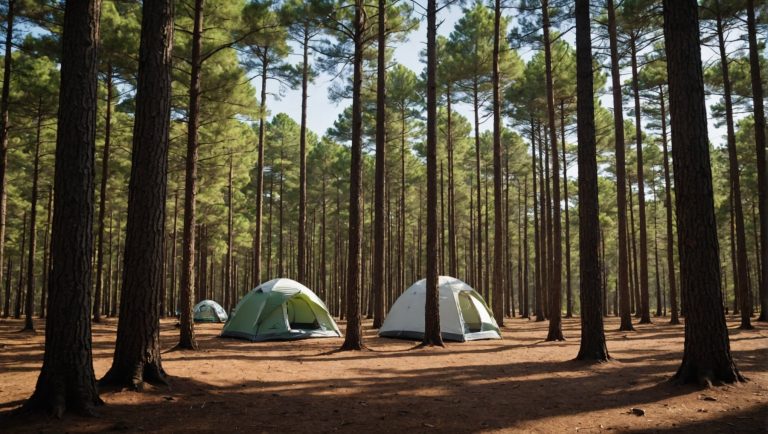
(321, 113)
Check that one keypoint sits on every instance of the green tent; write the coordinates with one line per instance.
(281, 309)
(209, 311)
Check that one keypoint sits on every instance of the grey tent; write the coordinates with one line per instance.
(209, 311)
(464, 316)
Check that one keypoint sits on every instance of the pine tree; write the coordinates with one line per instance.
(706, 353)
(137, 349)
(592, 346)
(67, 381)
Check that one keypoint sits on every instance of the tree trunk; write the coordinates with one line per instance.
(656, 253)
(645, 313)
(174, 296)
(46, 250)
(187, 325)
(280, 255)
(478, 204)
(621, 182)
(401, 223)
(103, 199)
(354, 334)
(555, 288)
(66, 380)
(7, 303)
(741, 239)
(441, 230)
(30, 298)
(633, 268)
(109, 287)
(269, 225)
(706, 354)
(486, 288)
(4, 126)
(17, 310)
(260, 175)
(525, 300)
(302, 237)
(229, 280)
(536, 234)
(453, 263)
(137, 348)
(432, 336)
(498, 228)
(569, 295)
(762, 170)
(113, 310)
(592, 346)
(668, 206)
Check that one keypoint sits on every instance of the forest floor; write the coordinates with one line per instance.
(520, 383)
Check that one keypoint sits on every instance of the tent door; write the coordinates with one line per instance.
(472, 321)
(300, 315)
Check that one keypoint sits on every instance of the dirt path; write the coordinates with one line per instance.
(517, 384)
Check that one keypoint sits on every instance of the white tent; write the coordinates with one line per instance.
(464, 316)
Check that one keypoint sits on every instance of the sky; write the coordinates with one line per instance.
(321, 113)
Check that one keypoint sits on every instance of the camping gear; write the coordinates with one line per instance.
(464, 316)
(281, 309)
(209, 311)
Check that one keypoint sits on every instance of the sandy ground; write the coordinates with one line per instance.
(520, 384)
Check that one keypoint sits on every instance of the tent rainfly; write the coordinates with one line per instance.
(209, 311)
(281, 309)
(464, 316)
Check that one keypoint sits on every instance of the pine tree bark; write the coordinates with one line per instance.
(4, 126)
(733, 163)
(17, 310)
(498, 295)
(229, 280)
(546, 223)
(592, 346)
(46, 257)
(621, 182)
(378, 230)
(478, 193)
(354, 334)
(453, 262)
(173, 304)
(645, 313)
(536, 234)
(103, 199)
(113, 310)
(760, 144)
(706, 353)
(7, 302)
(302, 236)
(432, 336)
(525, 303)
(674, 319)
(569, 295)
(187, 325)
(30, 298)
(67, 381)
(633, 268)
(137, 348)
(556, 285)
(257, 235)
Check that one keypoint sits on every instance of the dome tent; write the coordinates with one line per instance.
(209, 311)
(281, 309)
(464, 316)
